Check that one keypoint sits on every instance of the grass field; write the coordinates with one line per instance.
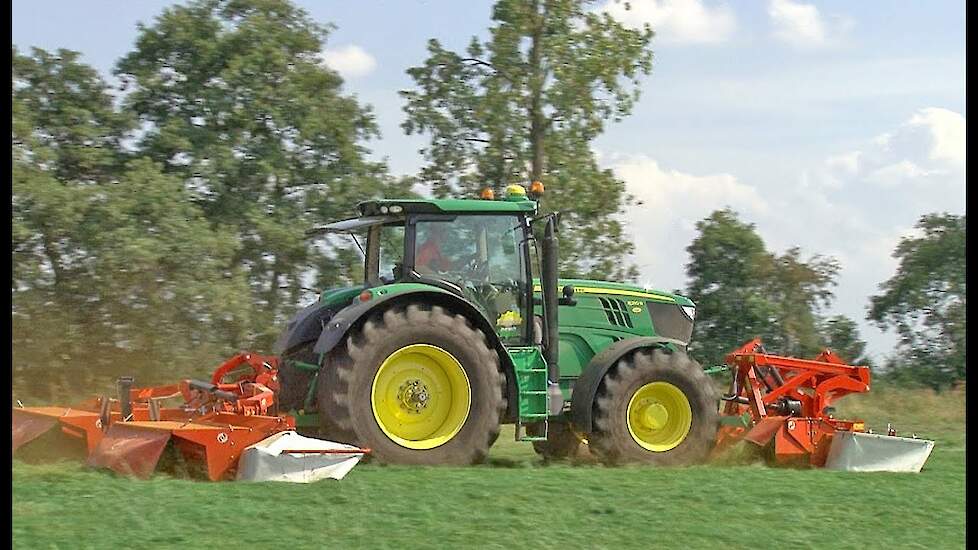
(518, 502)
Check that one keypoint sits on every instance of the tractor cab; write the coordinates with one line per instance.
(478, 250)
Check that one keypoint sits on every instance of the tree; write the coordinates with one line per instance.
(238, 104)
(525, 106)
(925, 301)
(743, 291)
(114, 269)
(728, 271)
(66, 137)
(64, 141)
(801, 290)
(841, 335)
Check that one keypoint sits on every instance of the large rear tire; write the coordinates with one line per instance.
(655, 406)
(417, 385)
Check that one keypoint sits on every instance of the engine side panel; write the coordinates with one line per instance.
(606, 313)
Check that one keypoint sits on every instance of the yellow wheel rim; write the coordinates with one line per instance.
(659, 416)
(420, 396)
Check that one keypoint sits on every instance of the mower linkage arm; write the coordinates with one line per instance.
(213, 390)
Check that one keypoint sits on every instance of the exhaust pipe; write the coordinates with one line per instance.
(548, 284)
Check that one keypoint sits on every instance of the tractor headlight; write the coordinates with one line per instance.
(690, 312)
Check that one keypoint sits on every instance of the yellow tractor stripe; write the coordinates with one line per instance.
(613, 292)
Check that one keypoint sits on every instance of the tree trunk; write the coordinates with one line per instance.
(55, 258)
(536, 96)
(274, 293)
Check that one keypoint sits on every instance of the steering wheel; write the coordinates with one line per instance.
(474, 269)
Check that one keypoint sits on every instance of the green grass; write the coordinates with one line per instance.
(518, 502)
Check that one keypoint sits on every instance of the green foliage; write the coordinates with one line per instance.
(154, 235)
(727, 270)
(841, 335)
(525, 105)
(743, 291)
(800, 290)
(114, 268)
(238, 104)
(64, 119)
(925, 301)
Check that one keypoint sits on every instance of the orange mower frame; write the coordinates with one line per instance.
(787, 400)
(216, 422)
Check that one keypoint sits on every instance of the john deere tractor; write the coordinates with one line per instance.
(461, 325)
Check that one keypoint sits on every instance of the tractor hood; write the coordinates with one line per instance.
(586, 286)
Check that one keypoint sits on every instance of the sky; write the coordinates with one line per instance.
(830, 126)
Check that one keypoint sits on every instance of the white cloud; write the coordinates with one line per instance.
(847, 163)
(877, 193)
(351, 60)
(670, 204)
(927, 150)
(802, 26)
(677, 21)
(854, 206)
(947, 134)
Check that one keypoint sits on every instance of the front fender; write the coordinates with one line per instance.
(586, 386)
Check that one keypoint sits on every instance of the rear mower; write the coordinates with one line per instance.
(215, 423)
(456, 329)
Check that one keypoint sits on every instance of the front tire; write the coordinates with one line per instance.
(657, 407)
(417, 386)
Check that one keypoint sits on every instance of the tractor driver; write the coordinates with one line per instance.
(429, 258)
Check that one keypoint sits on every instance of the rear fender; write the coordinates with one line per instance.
(352, 317)
(306, 326)
(586, 386)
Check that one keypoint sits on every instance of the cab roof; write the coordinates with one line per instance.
(447, 206)
(380, 211)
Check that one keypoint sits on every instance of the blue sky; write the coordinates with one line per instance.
(830, 125)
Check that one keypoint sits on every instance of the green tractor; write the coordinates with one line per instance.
(461, 325)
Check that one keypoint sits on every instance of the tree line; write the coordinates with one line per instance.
(159, 226)
(742, 290)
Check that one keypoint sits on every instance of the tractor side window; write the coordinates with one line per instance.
(482, 255)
